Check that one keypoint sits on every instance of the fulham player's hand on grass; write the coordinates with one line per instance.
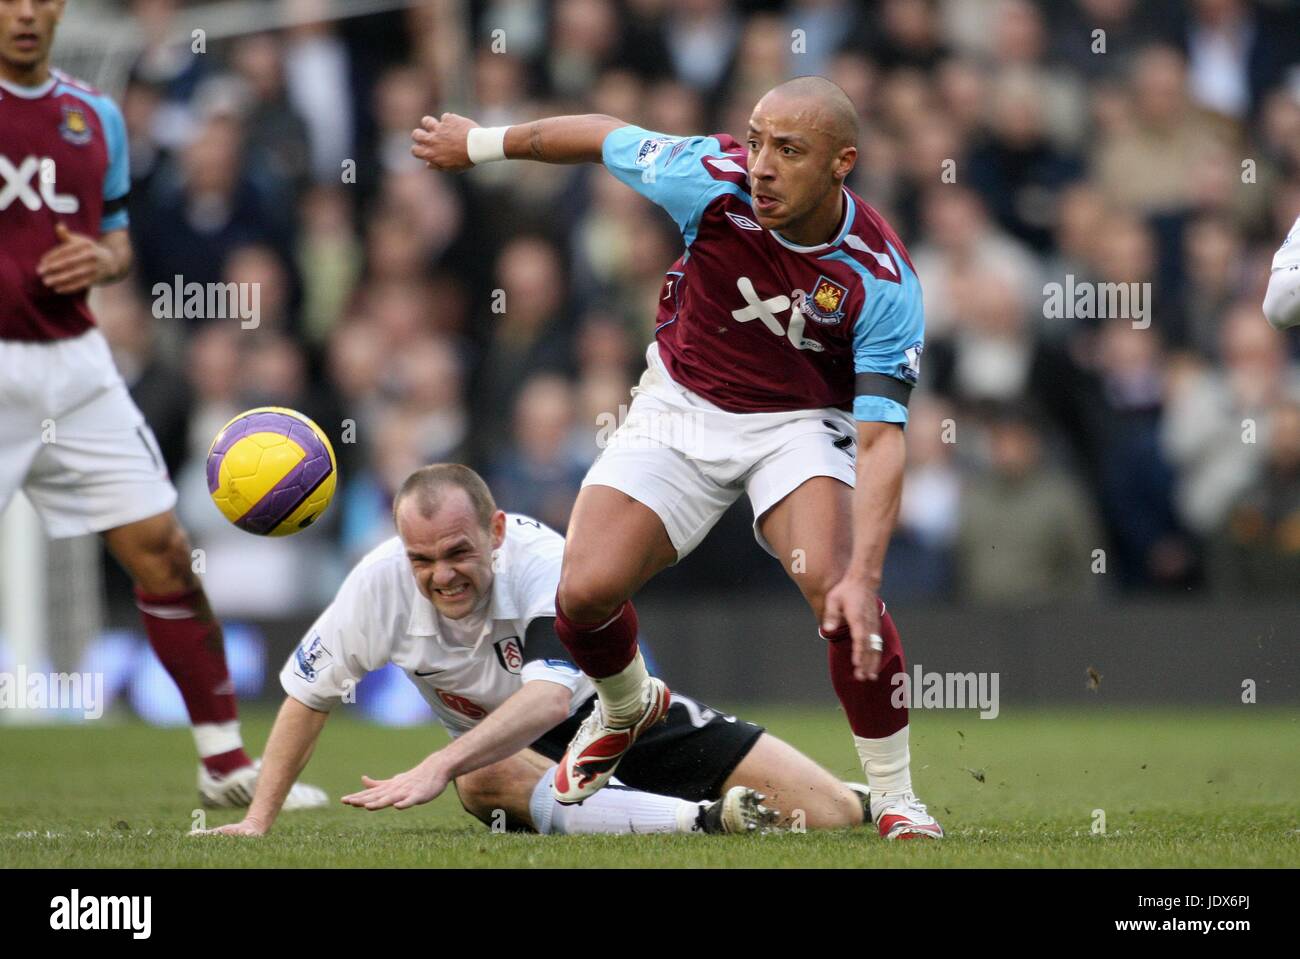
(852, 600)
(77, 263)
(422, 784)
(443, 143)
(245, 827)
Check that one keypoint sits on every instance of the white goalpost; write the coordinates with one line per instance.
(24, 632)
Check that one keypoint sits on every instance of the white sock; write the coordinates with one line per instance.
(886, 762)
(213, 739)
(621, 694)
(615, 809)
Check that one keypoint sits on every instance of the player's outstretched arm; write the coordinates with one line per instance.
(452, 142)
(288, 748)
(876, 498)
(515, 724)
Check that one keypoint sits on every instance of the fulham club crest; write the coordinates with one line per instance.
(510, 654)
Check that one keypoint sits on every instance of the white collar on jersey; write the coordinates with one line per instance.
(30, 93)
(840, 234)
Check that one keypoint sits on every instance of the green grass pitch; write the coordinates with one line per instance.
(1188, 789)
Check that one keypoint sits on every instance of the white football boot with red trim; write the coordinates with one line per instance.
(596, 748)
(902, 816)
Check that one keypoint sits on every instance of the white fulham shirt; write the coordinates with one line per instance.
(465, 668)
(1282, 299)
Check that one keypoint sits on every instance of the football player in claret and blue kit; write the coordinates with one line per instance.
(788, 340)
(71, 437)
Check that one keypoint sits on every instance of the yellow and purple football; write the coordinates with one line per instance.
(271, 471)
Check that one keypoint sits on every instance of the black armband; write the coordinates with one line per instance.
(878, 384)
(541, 642)
(113, 206)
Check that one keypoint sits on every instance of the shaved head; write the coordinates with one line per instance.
(835, 114)
(803, 144)
(430, 484)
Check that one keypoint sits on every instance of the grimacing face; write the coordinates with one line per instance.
(27, 32)
(793, 161)
(450, 553)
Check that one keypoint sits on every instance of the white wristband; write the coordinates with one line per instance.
(485, 144)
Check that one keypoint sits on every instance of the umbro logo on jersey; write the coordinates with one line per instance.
(744, 222)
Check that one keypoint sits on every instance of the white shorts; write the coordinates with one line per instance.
(74, 441)
(689, 460)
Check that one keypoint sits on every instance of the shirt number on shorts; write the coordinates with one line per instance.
(700, 716)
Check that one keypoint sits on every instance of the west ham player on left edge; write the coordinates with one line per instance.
(71, 438)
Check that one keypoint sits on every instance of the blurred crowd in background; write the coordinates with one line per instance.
(1170, 156)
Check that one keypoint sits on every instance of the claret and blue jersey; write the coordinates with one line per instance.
(63, 159)
(755, 323)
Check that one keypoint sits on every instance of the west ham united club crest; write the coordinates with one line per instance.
(825, 304)
(74, 128)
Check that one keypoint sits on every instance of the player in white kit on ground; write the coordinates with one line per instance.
(464, 602)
